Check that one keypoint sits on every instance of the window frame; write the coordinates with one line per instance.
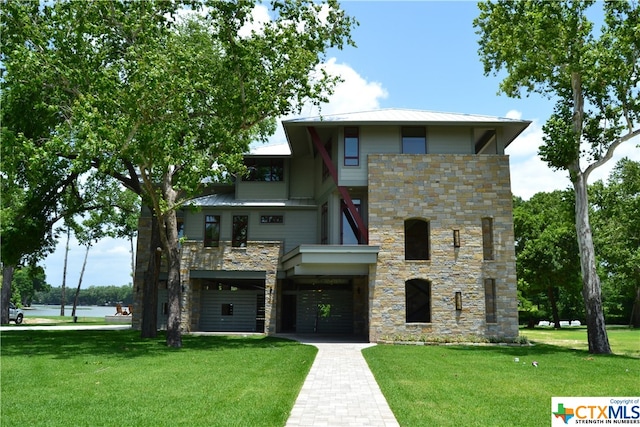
(488, 247)
(414, 288)
(411, 134)
(272, 166)
(352, 135)
(239, 241)
(210, 241)
(490, 301)
(414, 248)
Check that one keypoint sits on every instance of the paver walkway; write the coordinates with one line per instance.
(340, 390)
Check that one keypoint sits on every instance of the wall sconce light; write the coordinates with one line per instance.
(456, 238)
(458, 301)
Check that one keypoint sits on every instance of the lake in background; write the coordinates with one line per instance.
(81, 311)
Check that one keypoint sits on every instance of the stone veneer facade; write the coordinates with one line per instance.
(260, 257)
(450, 192)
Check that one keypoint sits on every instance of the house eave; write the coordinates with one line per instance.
(330, 260)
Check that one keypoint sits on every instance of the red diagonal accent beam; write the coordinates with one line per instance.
(315, 138)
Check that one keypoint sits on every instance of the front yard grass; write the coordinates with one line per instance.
(486, 386)
(107, 378)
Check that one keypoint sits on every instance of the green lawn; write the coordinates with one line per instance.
(112, 378)
(486, 386)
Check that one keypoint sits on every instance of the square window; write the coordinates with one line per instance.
(414, 140)
(227, 310)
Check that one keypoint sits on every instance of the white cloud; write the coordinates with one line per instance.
(531, 175)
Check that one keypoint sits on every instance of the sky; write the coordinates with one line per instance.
(420, 55)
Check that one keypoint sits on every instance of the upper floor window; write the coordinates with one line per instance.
(264, 169)
(212, 230)
(351, 146)
(240, 229)
(417, 301)
(487, 238)
(414, 140)
(416, 239)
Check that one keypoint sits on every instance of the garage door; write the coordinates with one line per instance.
(232, 310)
(326, 311)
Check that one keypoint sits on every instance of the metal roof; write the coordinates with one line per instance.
(398, 116)
(229, 200)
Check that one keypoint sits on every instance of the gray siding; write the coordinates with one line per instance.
(262, 190)
(244, 314)
(449, 140)
(299, 225)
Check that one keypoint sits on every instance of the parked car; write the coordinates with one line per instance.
(15, 314)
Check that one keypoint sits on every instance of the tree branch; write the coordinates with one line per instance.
(609, 154)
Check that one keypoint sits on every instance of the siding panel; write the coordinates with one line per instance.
(244, 314)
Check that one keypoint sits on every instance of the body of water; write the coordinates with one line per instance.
(81, 310)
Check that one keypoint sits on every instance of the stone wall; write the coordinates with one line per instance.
(256, 256)
(450, 192)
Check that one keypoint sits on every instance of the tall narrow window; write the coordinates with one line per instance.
(418, 301)
(416, 239)
(211, 230)
(324, 224)
(351, 146)
(349, 227)
(487, 238)
(240, 228)
(414, 140)
(490, 300)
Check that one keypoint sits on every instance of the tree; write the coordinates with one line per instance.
(26, 282)
(547, 258)
(617, 237)
(552, 48)
(161, 103)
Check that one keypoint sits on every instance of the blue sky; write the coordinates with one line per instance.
(415, 54)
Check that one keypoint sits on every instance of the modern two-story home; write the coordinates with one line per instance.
(388, 224)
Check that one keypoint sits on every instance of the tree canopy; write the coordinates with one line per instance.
(591, 74)
(161, 95)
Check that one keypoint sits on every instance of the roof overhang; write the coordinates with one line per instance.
(330, 260)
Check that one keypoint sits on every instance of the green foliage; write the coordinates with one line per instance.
(93, 295)
(27, 281)
(617, 238)
(547, 259)
(113, 377)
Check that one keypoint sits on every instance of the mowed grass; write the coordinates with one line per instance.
(486, 386)
(107, 378)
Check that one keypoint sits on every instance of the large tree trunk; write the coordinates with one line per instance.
(591, 290)
(75, 298)
(169, 236)
(5, 293)
(149, 328)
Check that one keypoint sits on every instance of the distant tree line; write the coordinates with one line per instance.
(93, 295)
(548, 265)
